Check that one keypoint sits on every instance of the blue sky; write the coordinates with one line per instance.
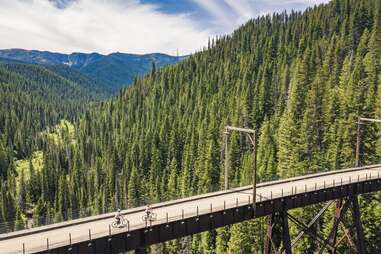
(134, 26)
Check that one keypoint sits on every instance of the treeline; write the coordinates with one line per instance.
(301, 79)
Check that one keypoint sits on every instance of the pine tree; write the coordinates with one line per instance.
(133, 189)
(22, 195)
(63, 198)
(241, 242)
(266, 155)
(19, 221)
(172, 189)
(222, 240)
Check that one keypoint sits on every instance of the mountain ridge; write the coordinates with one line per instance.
(117, 69)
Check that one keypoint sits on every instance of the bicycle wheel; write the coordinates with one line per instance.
(123, 222)
(153, 216)
(114, 224)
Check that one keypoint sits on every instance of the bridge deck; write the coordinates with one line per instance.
(35, 240)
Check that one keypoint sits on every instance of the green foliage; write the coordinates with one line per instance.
(301, 79)
(31, 99)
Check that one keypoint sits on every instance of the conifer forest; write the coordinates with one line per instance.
(68, 149)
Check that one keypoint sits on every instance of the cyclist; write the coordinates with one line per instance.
(118, 216)
(148, 212)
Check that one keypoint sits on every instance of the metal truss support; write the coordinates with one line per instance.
(346, 235)
(306, 229)
(317, 237)
(331, 242)
(341, 208)
(285, 233)
(311, 223)
(337, 220)
(269, 245)
(357, 221)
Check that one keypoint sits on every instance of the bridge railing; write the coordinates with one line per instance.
(27, 223)
(194, 212)
(70, 214)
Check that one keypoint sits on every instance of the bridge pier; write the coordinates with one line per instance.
(268, 243)
(286, 233)
(340, 210)
(281, 220)
(332, 239)
(358, 225)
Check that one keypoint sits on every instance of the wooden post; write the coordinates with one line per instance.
(254, 172)
(226, 159)
(357, 162)
(360, 121)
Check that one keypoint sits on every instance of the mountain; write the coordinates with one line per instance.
(300, 79)
(116, 69)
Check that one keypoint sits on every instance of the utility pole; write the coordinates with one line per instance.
(357, 162)
(356, 209)
(251, 134)
(362, 121)
(226, 159)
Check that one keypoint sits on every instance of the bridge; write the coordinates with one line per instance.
(183, 217)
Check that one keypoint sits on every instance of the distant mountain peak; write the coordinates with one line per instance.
(117, 69)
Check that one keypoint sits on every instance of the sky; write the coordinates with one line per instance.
(130, 26)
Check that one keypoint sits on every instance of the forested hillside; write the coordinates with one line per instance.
(33, 98)
(301, 79)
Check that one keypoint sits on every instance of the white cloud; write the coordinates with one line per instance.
(232, 13)
(243, 8)
(97, 25)
(107, 26)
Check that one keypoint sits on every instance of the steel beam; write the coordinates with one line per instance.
(341, 208)
(357, 220)
(346, 235)
(308, 231)
(318, 215)
(268, 244)
(226, 159)
(337, 218)
(286, 233)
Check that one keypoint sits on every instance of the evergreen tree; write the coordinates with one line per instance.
(133, 189)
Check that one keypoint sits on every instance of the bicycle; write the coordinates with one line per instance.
(122, 223)
(149, 218)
